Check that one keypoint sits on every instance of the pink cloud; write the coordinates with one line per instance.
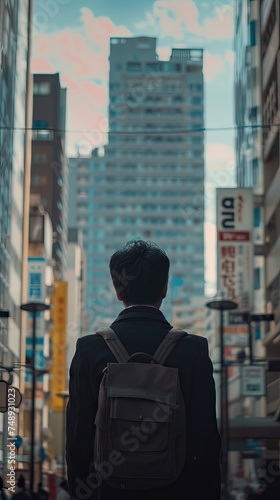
(164, 53)
(230, 56)
(213, 66)
(81, 55)
(41, 65)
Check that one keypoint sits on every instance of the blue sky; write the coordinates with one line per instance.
(72, 37)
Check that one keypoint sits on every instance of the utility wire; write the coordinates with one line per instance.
(145, 132)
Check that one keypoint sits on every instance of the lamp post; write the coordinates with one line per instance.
(255, 318)
(34, 308)
(64, 395)
(223, 305)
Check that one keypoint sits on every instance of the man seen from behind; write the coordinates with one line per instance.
(140, 276)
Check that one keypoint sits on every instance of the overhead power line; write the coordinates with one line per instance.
(146, 132)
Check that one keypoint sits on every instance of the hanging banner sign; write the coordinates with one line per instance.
(59, 343)
(235, 258)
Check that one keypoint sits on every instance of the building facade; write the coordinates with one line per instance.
(40, 282)
(49, 169)
(76, 294)
(150, 183)
(15, 147)
(270, 95)
(257, 85)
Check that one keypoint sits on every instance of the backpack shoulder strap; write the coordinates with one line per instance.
(115, 345)
(168, 344)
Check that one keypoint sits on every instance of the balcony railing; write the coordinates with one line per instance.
(273, 396)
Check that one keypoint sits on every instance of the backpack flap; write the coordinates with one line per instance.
(141, 380)
(137, 402)
(142, 419)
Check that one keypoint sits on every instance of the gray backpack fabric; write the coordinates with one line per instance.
(140, 439)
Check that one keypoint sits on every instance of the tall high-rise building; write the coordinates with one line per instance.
(49, 169)
(150, 184)
(257, 107)
(248, 115)
(257, 44)
(15, 147)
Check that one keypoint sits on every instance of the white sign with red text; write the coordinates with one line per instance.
(235, 256)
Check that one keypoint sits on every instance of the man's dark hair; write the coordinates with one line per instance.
(139, 272)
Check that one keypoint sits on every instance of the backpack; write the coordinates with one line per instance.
(140, 438)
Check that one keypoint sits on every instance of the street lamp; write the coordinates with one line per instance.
(64, 395)
(34, 308)
(223, 305)
(255, 318)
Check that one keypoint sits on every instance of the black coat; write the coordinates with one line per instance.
(200, 479)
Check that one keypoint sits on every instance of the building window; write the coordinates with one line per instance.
(39, 158)
(255, 171)
(82, 194)
(42, 135)
(253, 33)
(257, 216)
(41, 130)
(257, 278)
(134, 67)
(254, 114)
(152, 67)
(82, 180)
(257, 331)
(38, 180)
(42, 88)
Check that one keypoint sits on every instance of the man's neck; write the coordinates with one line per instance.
(145, 305)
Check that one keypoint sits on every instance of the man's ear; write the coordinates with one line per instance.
(119, 297)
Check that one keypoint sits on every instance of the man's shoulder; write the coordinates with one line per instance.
(87, 341)
(196, 341)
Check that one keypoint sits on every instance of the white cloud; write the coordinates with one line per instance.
(171, 18)
(221, 25)
(179, 18)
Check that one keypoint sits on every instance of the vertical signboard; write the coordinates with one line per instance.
(235, 258)
(59, 317)
(36, 293)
